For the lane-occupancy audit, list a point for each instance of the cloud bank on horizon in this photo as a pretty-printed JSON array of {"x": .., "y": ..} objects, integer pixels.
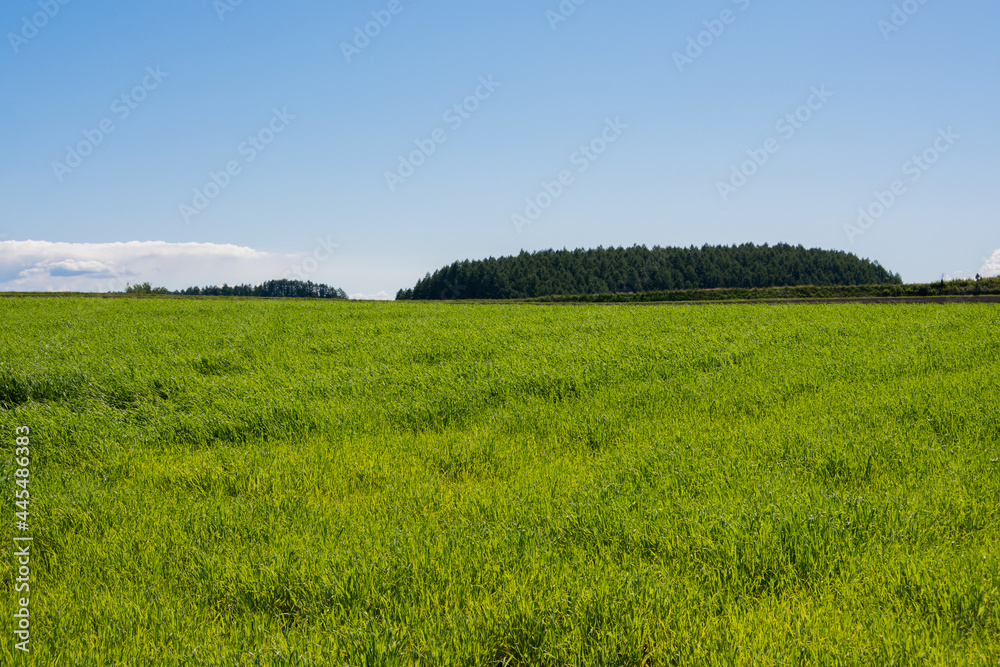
[
  {"x": 380, "y": 296},
  {"x": 27, "y": 266}
]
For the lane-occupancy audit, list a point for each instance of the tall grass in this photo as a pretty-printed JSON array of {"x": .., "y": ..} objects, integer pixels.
[{"x": 289, "y": 483}]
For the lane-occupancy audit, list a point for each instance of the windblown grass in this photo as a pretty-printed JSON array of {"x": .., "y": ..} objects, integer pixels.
[{"x": 293, "y": 483}]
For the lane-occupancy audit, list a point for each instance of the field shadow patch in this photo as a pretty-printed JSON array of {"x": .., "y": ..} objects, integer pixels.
[
  {"x": 461, "y": 460},
  {"x": 216, "y": 365},
  {"x": 17, "y": 389},
  {"x": 434, "y": 416}
]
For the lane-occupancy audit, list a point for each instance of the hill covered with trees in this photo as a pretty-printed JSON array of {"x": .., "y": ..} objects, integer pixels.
[{"x": 642, "y": 269}]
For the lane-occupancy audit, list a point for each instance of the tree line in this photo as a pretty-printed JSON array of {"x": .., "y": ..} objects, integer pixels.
[
  {"x": 960, "y": 287},
  {"x": 641, "y": 269},
  {"x": 288, "y": 289}
]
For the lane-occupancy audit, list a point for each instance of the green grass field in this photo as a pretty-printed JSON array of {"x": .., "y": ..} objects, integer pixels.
[{"x": 331, "y": 483}]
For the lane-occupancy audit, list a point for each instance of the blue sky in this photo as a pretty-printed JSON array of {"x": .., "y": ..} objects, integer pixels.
[{"x": 247, "y": 142}]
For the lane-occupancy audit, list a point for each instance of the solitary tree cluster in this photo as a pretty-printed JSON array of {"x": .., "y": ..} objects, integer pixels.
[
  {"x": 145, "y": 288},
  {"x": 295, "y": 289}
]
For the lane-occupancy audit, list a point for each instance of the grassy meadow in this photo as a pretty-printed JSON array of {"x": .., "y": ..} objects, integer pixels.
[{"x": 251, "y": 482}]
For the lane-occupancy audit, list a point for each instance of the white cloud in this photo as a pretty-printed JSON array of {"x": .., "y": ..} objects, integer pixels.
[
  {"x": 381, "y": 296},
  {"x": 72, "y": 267},
  {"x": 102, "y": 267},
  {"x": 992, "y": 266}
]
